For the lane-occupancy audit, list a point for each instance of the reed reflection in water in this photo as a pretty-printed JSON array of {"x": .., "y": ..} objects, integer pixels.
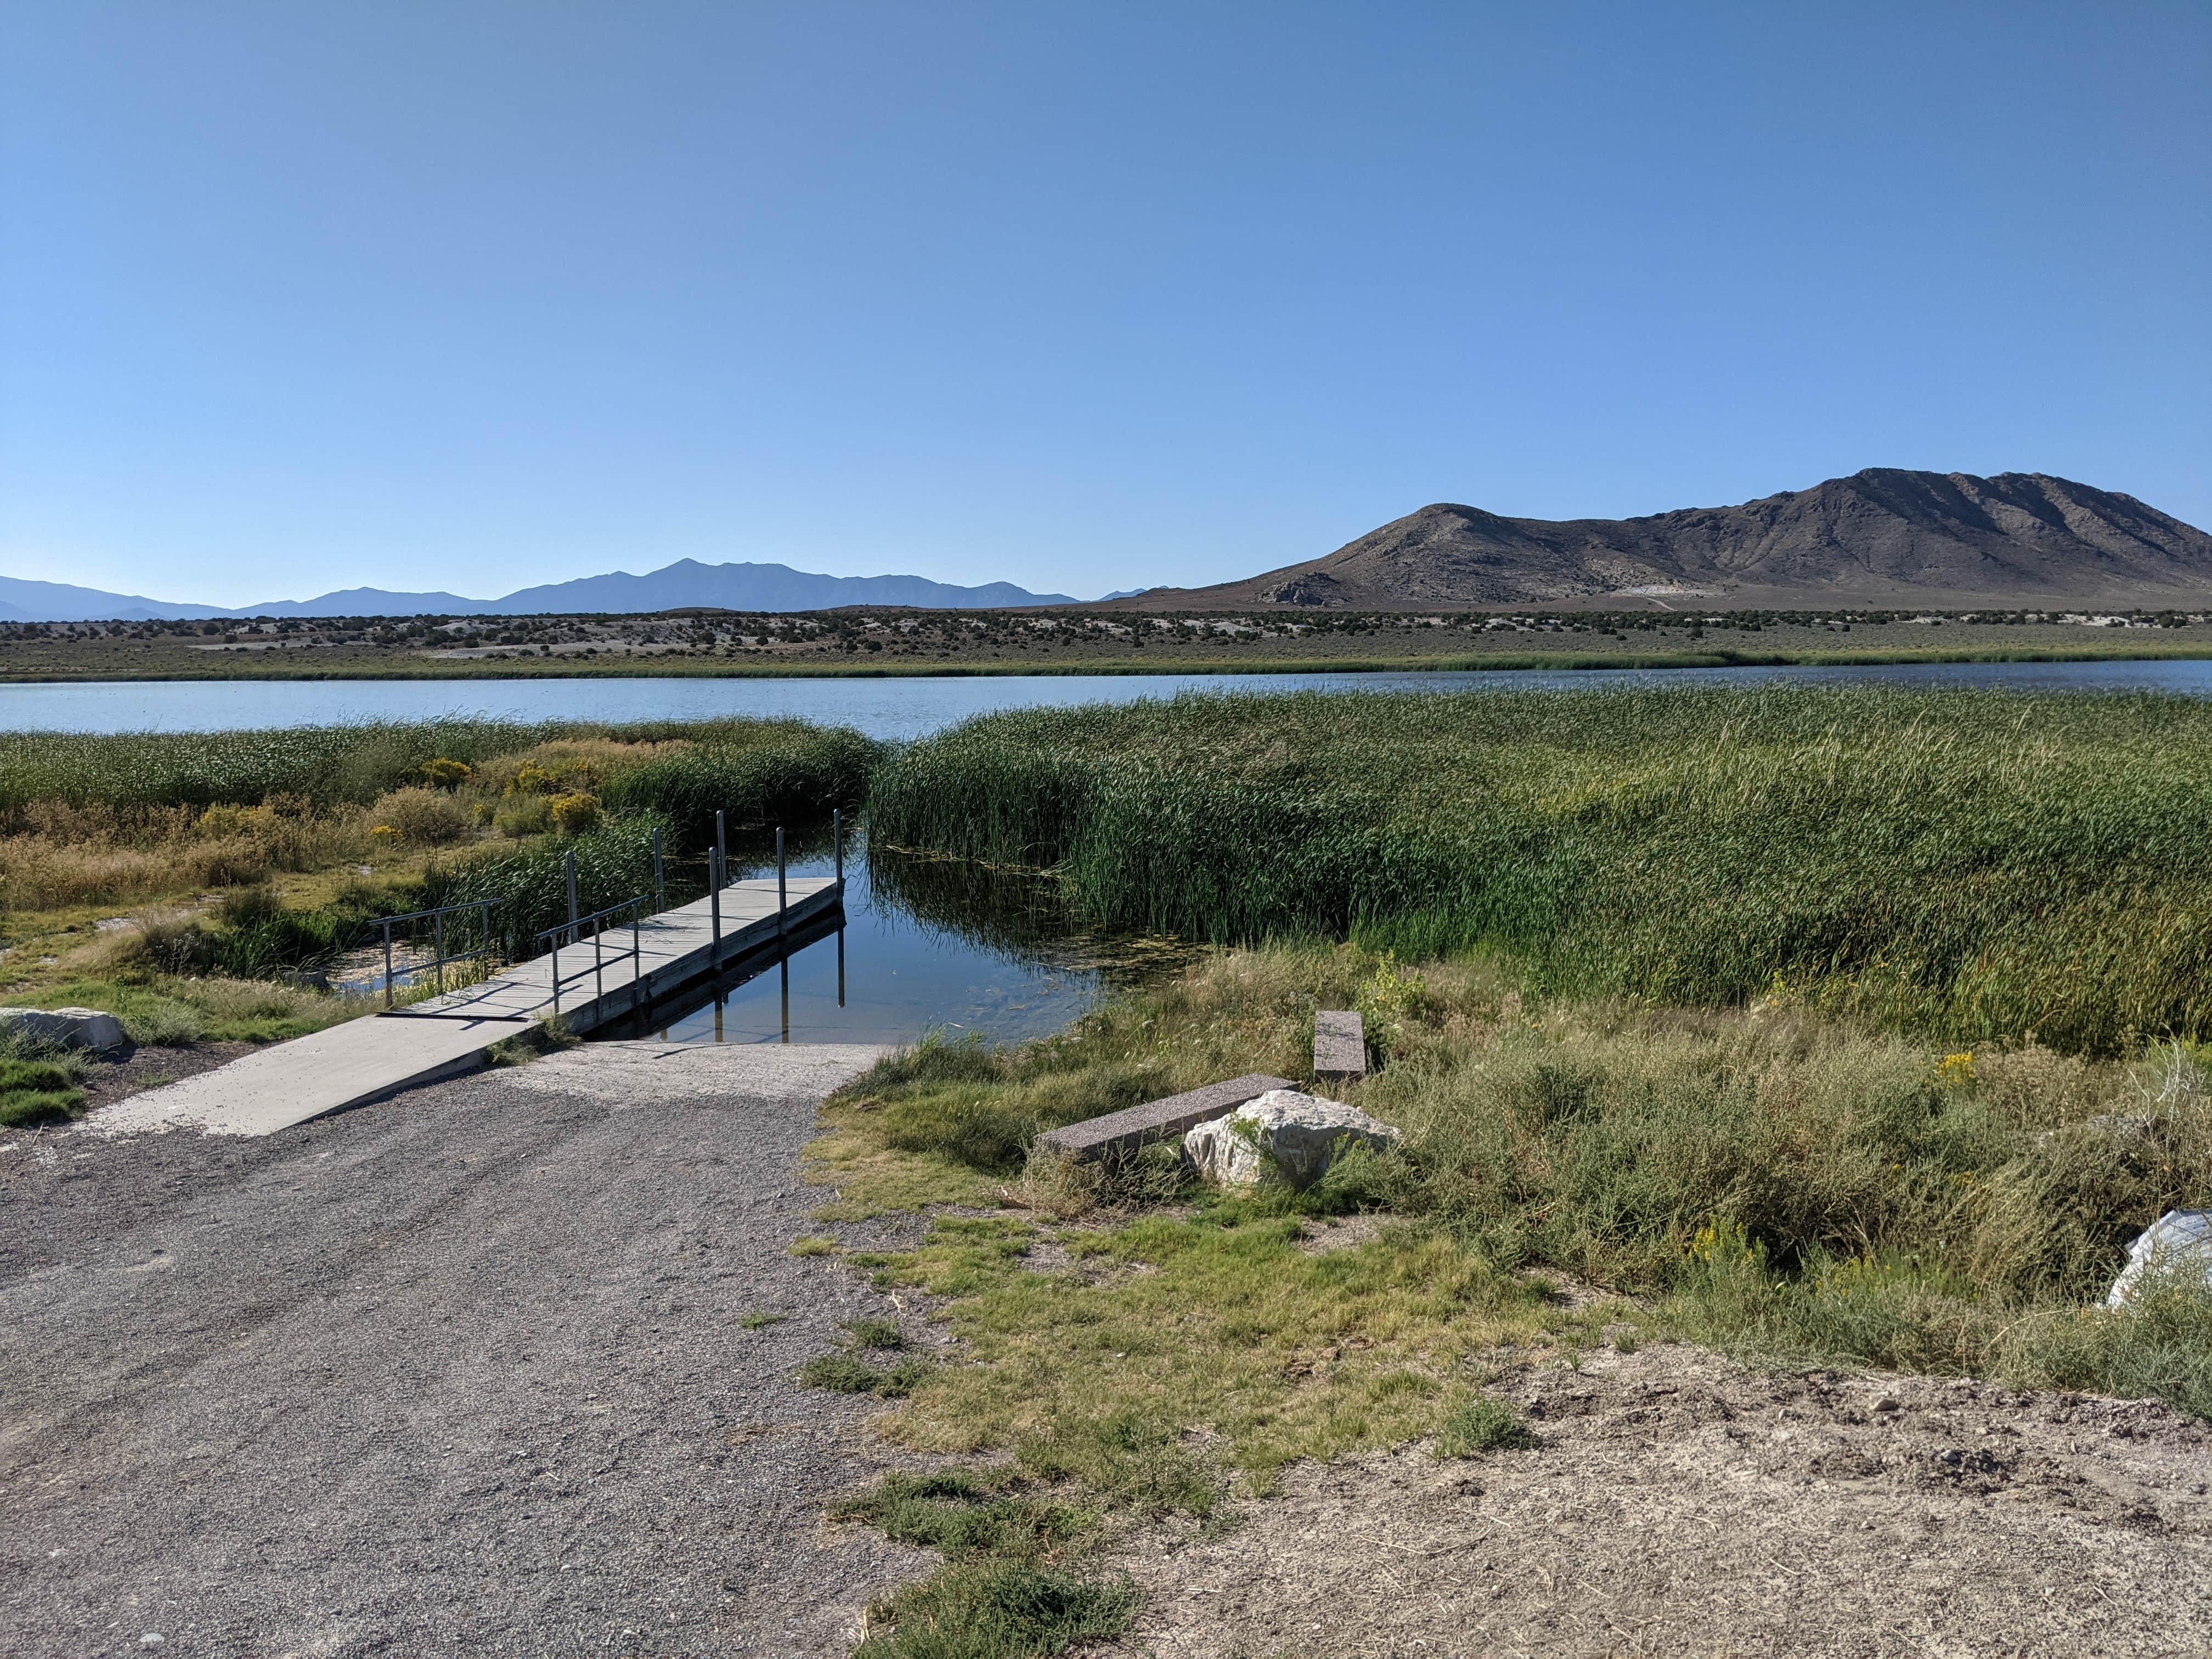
[{"x": 928, "y": 944}]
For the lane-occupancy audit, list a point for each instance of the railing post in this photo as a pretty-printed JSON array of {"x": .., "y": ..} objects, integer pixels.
[
  {"x": 837, "y": 836},
  {"x": 598, "y": 971},
  {"x": 718, "y": 875},
  {"x": 637, "y": 956},
  {"x": 780, "y": 901},
  {"x": 714, "y": 900},
  {"x": 556, "y": 973},
  {"x": 659, "y": 889},
  {"x": 572, "y": 890},
  {"x": 387, "y": 964},
  {"x": 438, "y": 967}
]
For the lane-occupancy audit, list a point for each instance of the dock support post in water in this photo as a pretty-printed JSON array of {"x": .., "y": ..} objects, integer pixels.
[
  {"x": 781, "y": 903},
  {"x": 715, "y": 872},
  {"x": 659, "y": 887}
]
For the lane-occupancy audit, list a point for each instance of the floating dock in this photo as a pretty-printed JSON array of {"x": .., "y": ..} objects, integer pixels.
[{"x": 368, "y": 1059}]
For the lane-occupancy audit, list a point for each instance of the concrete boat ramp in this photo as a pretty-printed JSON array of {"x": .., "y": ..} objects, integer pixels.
[{"x": 368, "y": 1059}]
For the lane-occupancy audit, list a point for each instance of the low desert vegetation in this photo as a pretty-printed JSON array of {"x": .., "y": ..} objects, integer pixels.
[{"x": 1786, "y": 1184}]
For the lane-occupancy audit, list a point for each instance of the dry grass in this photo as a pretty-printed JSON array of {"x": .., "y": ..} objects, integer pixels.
[
  {"x": 1767, "y": 1181},
  {"x": 423, "y": 817},
  {"x": 67, "y": 854},
  {"x": 570, "y": 765}
]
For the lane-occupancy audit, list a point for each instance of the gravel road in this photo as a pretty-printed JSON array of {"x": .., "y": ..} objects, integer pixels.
[{"x": 460, "y": 1374}]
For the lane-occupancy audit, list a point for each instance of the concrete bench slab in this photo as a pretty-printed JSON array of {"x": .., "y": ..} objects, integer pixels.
[
  {"x": 1119, "y": 1133},
  {"x": 1339, "y": 1048}
]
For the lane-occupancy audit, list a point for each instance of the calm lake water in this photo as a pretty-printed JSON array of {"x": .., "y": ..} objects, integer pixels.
[
  {"x": 908, "y": 961},
  {"x": 920, "y": 950},
  {"x": 903, "y": 708}
]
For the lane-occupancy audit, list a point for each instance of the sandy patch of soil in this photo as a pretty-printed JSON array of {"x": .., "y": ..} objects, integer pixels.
[{"x": 1682, "y": 1505}]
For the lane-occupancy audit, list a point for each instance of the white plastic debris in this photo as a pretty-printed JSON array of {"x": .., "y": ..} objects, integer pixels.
[{"x": 2178, "y": 1244}]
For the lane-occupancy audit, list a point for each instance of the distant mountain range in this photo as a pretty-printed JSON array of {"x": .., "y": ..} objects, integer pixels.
[
  {"x": 1884, "y": 536},
  {"x": 682, "y": 585}
]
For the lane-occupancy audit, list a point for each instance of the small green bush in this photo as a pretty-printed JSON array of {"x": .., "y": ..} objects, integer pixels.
[
  {"x": 519, "y": 816},
  {"x": 574, "y": 814},
  {"x": 1005, "y": 1590},
  {"x": 999, "y": 1611},
  {"x": 423, "y": 817},
  {"x": 964, "y": 1512},
  {"x": 1484, "y": 1424}
]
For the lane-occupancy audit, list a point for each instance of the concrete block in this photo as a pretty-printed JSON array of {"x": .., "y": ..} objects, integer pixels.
[
  {"x": 1339, "y": 1048},
  {"x": 1119, "y": 1133},
  {"x": 66, "y": 1028}
]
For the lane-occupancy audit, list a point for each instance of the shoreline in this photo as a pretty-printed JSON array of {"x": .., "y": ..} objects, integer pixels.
[{"x": 1528, "y": 662}]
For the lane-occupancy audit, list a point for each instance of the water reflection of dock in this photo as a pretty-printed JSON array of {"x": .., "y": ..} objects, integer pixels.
[
  {"x": 601, "y": 979},
  {"x": 660, "y": 1014}
]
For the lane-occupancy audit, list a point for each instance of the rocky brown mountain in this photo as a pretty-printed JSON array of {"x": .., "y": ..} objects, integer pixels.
[{"x": 1885, "y": 536}]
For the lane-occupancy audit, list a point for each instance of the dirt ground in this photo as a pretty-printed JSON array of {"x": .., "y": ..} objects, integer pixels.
[
  {"x": 465, "y": 1373},
  {"x": 1681, "y": 1505}
]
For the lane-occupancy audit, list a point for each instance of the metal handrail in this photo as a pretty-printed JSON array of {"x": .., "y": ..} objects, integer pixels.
[
  {"x": 437, "y": 918},
  {"x": 571, "y": 930},
  {"x": 635, "y": 909}
]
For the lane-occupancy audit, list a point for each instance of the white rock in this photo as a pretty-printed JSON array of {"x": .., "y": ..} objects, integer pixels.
[
  {"x": 2177, "y": 1245},
  {"x": 66, "y": 1028},
  {"x": 1283, "y": 1138}
]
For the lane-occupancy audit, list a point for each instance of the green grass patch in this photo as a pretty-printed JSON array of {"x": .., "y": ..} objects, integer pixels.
[
  {"x": 1484, "y": 1424},
  {"x": 170, "y": 1011},
  {"x": 1224, "y": 1324},
  {"x": 1013, "y": 1583},
  {"x": 35, "y": 1091},
  {"x": 998, "y": 1610},
  {"x": 845, "y": 1373},
  {"x": 760, "y": 1320}
]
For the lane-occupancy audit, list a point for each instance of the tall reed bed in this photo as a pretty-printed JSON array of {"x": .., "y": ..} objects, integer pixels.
[
  {"x": 326, "y": 765},
  {"x": 762, "y": 773},
  {"x": 1981, "y": 863},
  {"x": 355, "y": 764}
]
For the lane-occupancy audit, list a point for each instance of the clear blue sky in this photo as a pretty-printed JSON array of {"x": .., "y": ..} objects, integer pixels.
[{"x": 465, "y": 296}]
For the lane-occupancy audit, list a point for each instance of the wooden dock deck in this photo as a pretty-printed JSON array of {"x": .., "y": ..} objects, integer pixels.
[{"x": 380, "y": 1054}]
